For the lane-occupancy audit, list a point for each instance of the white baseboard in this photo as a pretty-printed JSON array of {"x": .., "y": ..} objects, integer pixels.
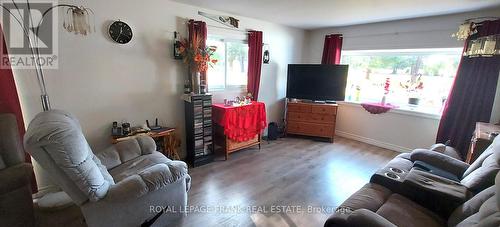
[{"x": 374, "y": 142}]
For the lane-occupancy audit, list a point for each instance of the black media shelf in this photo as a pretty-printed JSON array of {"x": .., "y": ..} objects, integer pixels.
[{"x": 199, "y": 139}]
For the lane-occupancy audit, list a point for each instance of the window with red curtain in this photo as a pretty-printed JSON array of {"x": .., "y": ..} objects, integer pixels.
[
  {"x": 332, "y": 49},
  {"x": 9, "y": 99}
]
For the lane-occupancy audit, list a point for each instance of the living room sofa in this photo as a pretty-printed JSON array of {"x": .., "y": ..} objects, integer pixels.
[
  {"x": 374, "y": 206},
  {"x": 427, "y": 188}
]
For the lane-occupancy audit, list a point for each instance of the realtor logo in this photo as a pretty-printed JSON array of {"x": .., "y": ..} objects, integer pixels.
[{"x": 29, "y": 20}]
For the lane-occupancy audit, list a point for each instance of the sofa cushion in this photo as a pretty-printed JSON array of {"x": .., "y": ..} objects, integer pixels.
[
  {"x": 371, "y": 197},
  {"x": 146, "y": 143},
  {"x": 488, "y": 215},
  {"x": 471, "y": 206},
  {"x": 404, "y": 212},
  {"x": 109, "y": 157},
  {"x": 364, "y": 217},
  {"x": 137, "y": 165},
  {"x": 484, "y": 170},
  {"x": 127, "y": 150},
  {"x": 494, "y": 148},
  {"x": 155, "y": 170}
]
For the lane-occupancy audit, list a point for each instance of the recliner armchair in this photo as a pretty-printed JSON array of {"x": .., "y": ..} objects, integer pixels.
[
  {"x": 16, "y": 204},
  {"x": 117, "y": 187}
]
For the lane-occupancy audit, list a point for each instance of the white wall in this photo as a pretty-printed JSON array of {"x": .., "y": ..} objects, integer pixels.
[
  {"x": 394, "y": 130},
  {"x": 100, "y": 81}
]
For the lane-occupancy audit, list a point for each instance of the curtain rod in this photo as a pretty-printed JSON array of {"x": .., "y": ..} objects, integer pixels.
[
  {"x": 232, "y": 29},
  {"x": 397, "y": 33},
  {"x": 480, "y": 18}
]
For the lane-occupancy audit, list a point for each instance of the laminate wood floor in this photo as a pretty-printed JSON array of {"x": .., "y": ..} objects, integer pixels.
[{"x": 289, "y": 182}]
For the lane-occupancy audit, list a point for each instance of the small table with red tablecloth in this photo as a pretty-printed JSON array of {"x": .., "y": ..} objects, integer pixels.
[{"x": 238, "y": 127}]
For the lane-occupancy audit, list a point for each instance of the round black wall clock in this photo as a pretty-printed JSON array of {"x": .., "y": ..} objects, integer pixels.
[{"x": 120, "y": 32}]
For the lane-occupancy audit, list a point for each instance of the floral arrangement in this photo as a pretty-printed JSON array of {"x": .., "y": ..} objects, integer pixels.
[
  {"x": 387, "y": 85},
  {"x": 415, "y": 84},
  {"x": 198, "y": 58}
]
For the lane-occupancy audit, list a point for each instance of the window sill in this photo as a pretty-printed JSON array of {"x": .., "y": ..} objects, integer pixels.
[
  {"x": 404, "y": 110},
  {"x": 228, "y": 89}
]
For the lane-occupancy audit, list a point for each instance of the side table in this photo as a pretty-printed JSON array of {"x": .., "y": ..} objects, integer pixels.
[{"x": 480, "y": 140}]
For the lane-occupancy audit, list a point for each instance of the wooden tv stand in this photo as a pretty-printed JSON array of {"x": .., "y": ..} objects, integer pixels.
[{"x": 311, "y": 119}]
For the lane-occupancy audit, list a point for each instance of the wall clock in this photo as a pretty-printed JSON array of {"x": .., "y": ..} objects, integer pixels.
[{"x": 120, "y": 32}]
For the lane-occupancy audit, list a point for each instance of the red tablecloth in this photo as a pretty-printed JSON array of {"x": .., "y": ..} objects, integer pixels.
[
  {"x": 377, "y": 108},
  {"x": 240, "y": 123}
]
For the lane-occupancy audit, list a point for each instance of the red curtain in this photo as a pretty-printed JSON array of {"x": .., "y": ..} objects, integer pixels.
[
  {"x": 471, "y": 98},
  {"x": 254, "y": 62},
  {"x": 9, "y": 100},
  {"x": 198, "y": 29},
  {"x": 332, "y": 49}
]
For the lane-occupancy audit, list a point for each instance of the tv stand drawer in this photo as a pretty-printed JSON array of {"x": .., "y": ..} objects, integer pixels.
[
  {"x": 311, "y": 129},
  {"x": 311, "y": 117},
  {"x": 324, "y": 109},
  {"x": 299, "y": 107}
]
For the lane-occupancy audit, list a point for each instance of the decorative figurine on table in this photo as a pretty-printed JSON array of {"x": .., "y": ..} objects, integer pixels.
[
  {"x": 249, "y": 98},
  {"x": 237, "y": 101}
]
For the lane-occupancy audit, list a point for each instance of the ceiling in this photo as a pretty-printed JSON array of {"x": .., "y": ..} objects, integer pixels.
[{"x": 311, "y": 14}]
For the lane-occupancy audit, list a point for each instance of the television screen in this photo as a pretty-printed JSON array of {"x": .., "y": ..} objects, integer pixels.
[{"x": 317, "y": 82}]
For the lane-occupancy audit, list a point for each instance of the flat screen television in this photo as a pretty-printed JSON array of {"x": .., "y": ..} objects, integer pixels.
[{"x": 317, "y": 82}]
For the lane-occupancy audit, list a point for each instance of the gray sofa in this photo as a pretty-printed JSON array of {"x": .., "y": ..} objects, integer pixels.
[
  {"x": 16, "y": 204},
  {"x": 375, "y": 206},
  {"x": 115, "y": 187},
  {"x": 476, "y": 177},
  {"x": 402, "y": 194}
]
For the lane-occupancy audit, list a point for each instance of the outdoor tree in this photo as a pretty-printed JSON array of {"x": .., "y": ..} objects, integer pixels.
[
  {"x": 236, "y": 51},
  {"x": 392, "y": 62}
]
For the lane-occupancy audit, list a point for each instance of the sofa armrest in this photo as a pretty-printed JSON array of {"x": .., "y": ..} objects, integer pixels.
[
  {"x": 14, "y": 177},
  {"x": 440, "y": 160}
]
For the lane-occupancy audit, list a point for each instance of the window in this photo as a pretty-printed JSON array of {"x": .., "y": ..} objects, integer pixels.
[
  {"x": 420, "y": 79},
  {"x": 232, "y": 64}
]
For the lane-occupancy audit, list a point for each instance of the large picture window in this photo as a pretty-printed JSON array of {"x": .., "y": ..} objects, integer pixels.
[
  {"x": 230, "y": 72},
  {"x": 419, "y": 79}
]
